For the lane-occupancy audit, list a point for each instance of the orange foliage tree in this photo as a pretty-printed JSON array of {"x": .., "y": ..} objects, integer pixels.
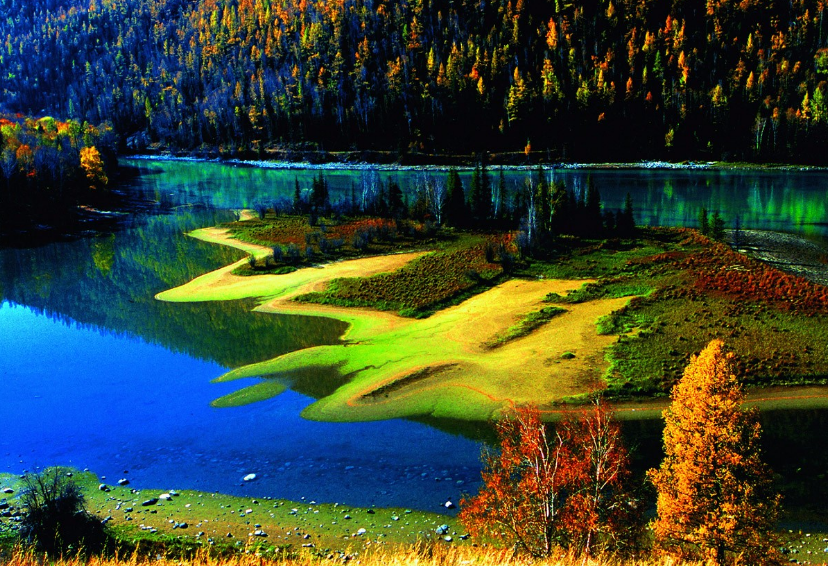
[
  {"x": 564, "y": 488},
  {"x": 92, "y": 165},
  {"x": 715, "y": 497}
]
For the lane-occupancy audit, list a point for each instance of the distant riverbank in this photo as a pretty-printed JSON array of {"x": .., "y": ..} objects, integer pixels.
[{"x": 382, "y": 161}]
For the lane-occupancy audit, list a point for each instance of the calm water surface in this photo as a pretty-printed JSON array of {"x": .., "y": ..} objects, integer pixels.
[{"x": 96, "y": 373}]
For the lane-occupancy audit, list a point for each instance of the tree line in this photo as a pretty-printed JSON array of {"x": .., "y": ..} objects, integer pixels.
[
  {"x": 593, "y": 79},
  {"x": 48, "y": 167},
  {"x": 569, "y": 486}
]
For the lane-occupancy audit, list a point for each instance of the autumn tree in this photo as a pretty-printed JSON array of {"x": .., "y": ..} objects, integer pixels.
[
  {"x": 92, "y": 165},
  {"x": 549, "y": 488},
  {"x": 715, "y": 498}
]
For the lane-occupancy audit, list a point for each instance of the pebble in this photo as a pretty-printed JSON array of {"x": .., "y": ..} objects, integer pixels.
[
  {"x": 165, "y": 497},
  {"x": 103, "y": 487},
  {"x": 442, "y": 530},
  {"x": 448, "y": 505},
  {"x": 8, "y": 490},
  {"x": 448, "y": 538},
  {"x": 123, "y": 481},
  {"x": 249, "y": 477},
  {"x": 362, "y": 531},
  {"x": 149, "y": 502}
]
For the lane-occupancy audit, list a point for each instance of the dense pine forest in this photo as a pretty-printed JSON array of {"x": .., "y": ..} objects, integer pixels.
[{"x": 584, "y": 80}]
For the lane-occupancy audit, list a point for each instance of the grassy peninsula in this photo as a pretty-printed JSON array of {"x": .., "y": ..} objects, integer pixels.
[{"x": 457, "y": 323}]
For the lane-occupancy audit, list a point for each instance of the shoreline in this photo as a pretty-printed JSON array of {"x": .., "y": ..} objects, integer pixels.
[
  {"x": 791, "y": 253},
  {"x": 330, "y": 162}
]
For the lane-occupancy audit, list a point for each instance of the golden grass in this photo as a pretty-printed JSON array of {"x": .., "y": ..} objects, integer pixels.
[
  {"x": 439, "y": 366},
  {"x": 429, "y": 554}
]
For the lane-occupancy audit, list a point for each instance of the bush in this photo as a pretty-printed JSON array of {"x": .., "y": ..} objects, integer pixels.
[{"x": 56, "y": 520}]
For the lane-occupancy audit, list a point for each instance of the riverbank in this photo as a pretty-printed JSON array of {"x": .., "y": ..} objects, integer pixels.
[
  {"x": 787, "y": 252},
  {"x": 378, "y": 161},
  {"x": 179, "y": 528},
  {"x": 180, "y": 519}
]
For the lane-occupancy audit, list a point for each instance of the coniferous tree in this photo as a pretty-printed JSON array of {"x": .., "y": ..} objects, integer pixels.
[
  {"x": 593, "y": 222},
  {"x": 704, "y": 223},
  {"x": 717, "y": 227},
  {"x": 715, "y": 495},
  {"x": 456, "y": 213}
]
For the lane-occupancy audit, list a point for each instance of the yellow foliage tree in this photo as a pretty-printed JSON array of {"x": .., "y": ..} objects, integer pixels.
[
  {"x": 715, "y": 497},
  {"x": 92, "y": 165}
]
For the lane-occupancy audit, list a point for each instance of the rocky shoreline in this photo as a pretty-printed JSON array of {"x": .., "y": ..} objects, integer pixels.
[{"x": 787, "y": 252}]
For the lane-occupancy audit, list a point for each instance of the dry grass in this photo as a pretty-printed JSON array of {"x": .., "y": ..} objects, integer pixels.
[{"x": 433, "y": 554}]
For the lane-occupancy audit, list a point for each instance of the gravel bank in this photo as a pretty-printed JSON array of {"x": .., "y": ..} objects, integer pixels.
[{"x": 787, "y": 252}]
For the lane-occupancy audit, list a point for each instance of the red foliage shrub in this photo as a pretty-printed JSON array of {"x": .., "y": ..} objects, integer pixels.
[{"x": 719, "y": 269}]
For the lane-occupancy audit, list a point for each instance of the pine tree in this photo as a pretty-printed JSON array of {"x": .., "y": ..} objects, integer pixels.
[
  {"x": 704, "y": 224},
  {"x": 297, "y": 196},
  {"x": 717, "y": 227},
  {"x": 480, "y": 195},
  {"x": 592, "y": 213},
  {"x": 714, "y": 493},
  {"x": 455, "y": 208}
]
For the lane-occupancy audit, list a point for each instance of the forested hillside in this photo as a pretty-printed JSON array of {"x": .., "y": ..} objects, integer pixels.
[{"x": 589, "y": 79}]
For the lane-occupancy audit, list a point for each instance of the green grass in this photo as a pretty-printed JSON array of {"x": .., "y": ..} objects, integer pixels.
[
  {"x": 525, "y": 326},
  {"x": 285, "y": 522},
  {"x": 420, "y": 288}
]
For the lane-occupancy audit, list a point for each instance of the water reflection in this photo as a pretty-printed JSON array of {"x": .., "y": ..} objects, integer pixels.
[
  {"x": 108, "y": 283},
  {"x": 125, "y": 378},
  {"x": 790, "y": 201}
]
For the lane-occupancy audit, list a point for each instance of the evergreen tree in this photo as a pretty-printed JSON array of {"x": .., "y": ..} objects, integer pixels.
[
  {"x": 704, "y": 224},
  {"x": 593, "y": 222},
  {"x": 456, "y": 213},
  {"x": 714, "y": 493},
  {"x": 320, "y": 199},
  {"x": 717, "y": 227},
  {"x": 396, "y": 207},
  {"x": 625, "y": 223},
  {"x": 297, "y": 196}
]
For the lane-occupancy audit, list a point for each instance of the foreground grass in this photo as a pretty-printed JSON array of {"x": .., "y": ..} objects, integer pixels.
[
  {"x": 184, "y": 522},
  {"x": 420, "y": 555}
]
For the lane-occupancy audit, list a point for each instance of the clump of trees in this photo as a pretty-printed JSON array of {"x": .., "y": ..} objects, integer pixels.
[
  {"x": 48, "y": 167},
  {"x": 566, "y": 487},
  {"x": 569, "y": 486}
]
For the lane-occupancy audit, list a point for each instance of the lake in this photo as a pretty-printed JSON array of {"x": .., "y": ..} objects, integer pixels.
[{"x": 98, "y": 374}]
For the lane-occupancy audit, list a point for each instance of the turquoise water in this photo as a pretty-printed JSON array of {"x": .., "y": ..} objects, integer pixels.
[
  {"x": 96, "y": 373},
  {"x": 790, "y": 201}
]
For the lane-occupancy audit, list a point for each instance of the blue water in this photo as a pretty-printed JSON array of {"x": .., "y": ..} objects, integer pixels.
[
  {"x": 113, "y": 404},
  {"x": 96, "y": 374}
]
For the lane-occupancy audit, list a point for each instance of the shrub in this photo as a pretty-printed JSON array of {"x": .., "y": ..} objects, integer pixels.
[
  {"x": 56, "y": 520},
  {"x": 292, "y": 252},
  {"x": 278, "y": 254},
  {"x": 261, "y": 209}
]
